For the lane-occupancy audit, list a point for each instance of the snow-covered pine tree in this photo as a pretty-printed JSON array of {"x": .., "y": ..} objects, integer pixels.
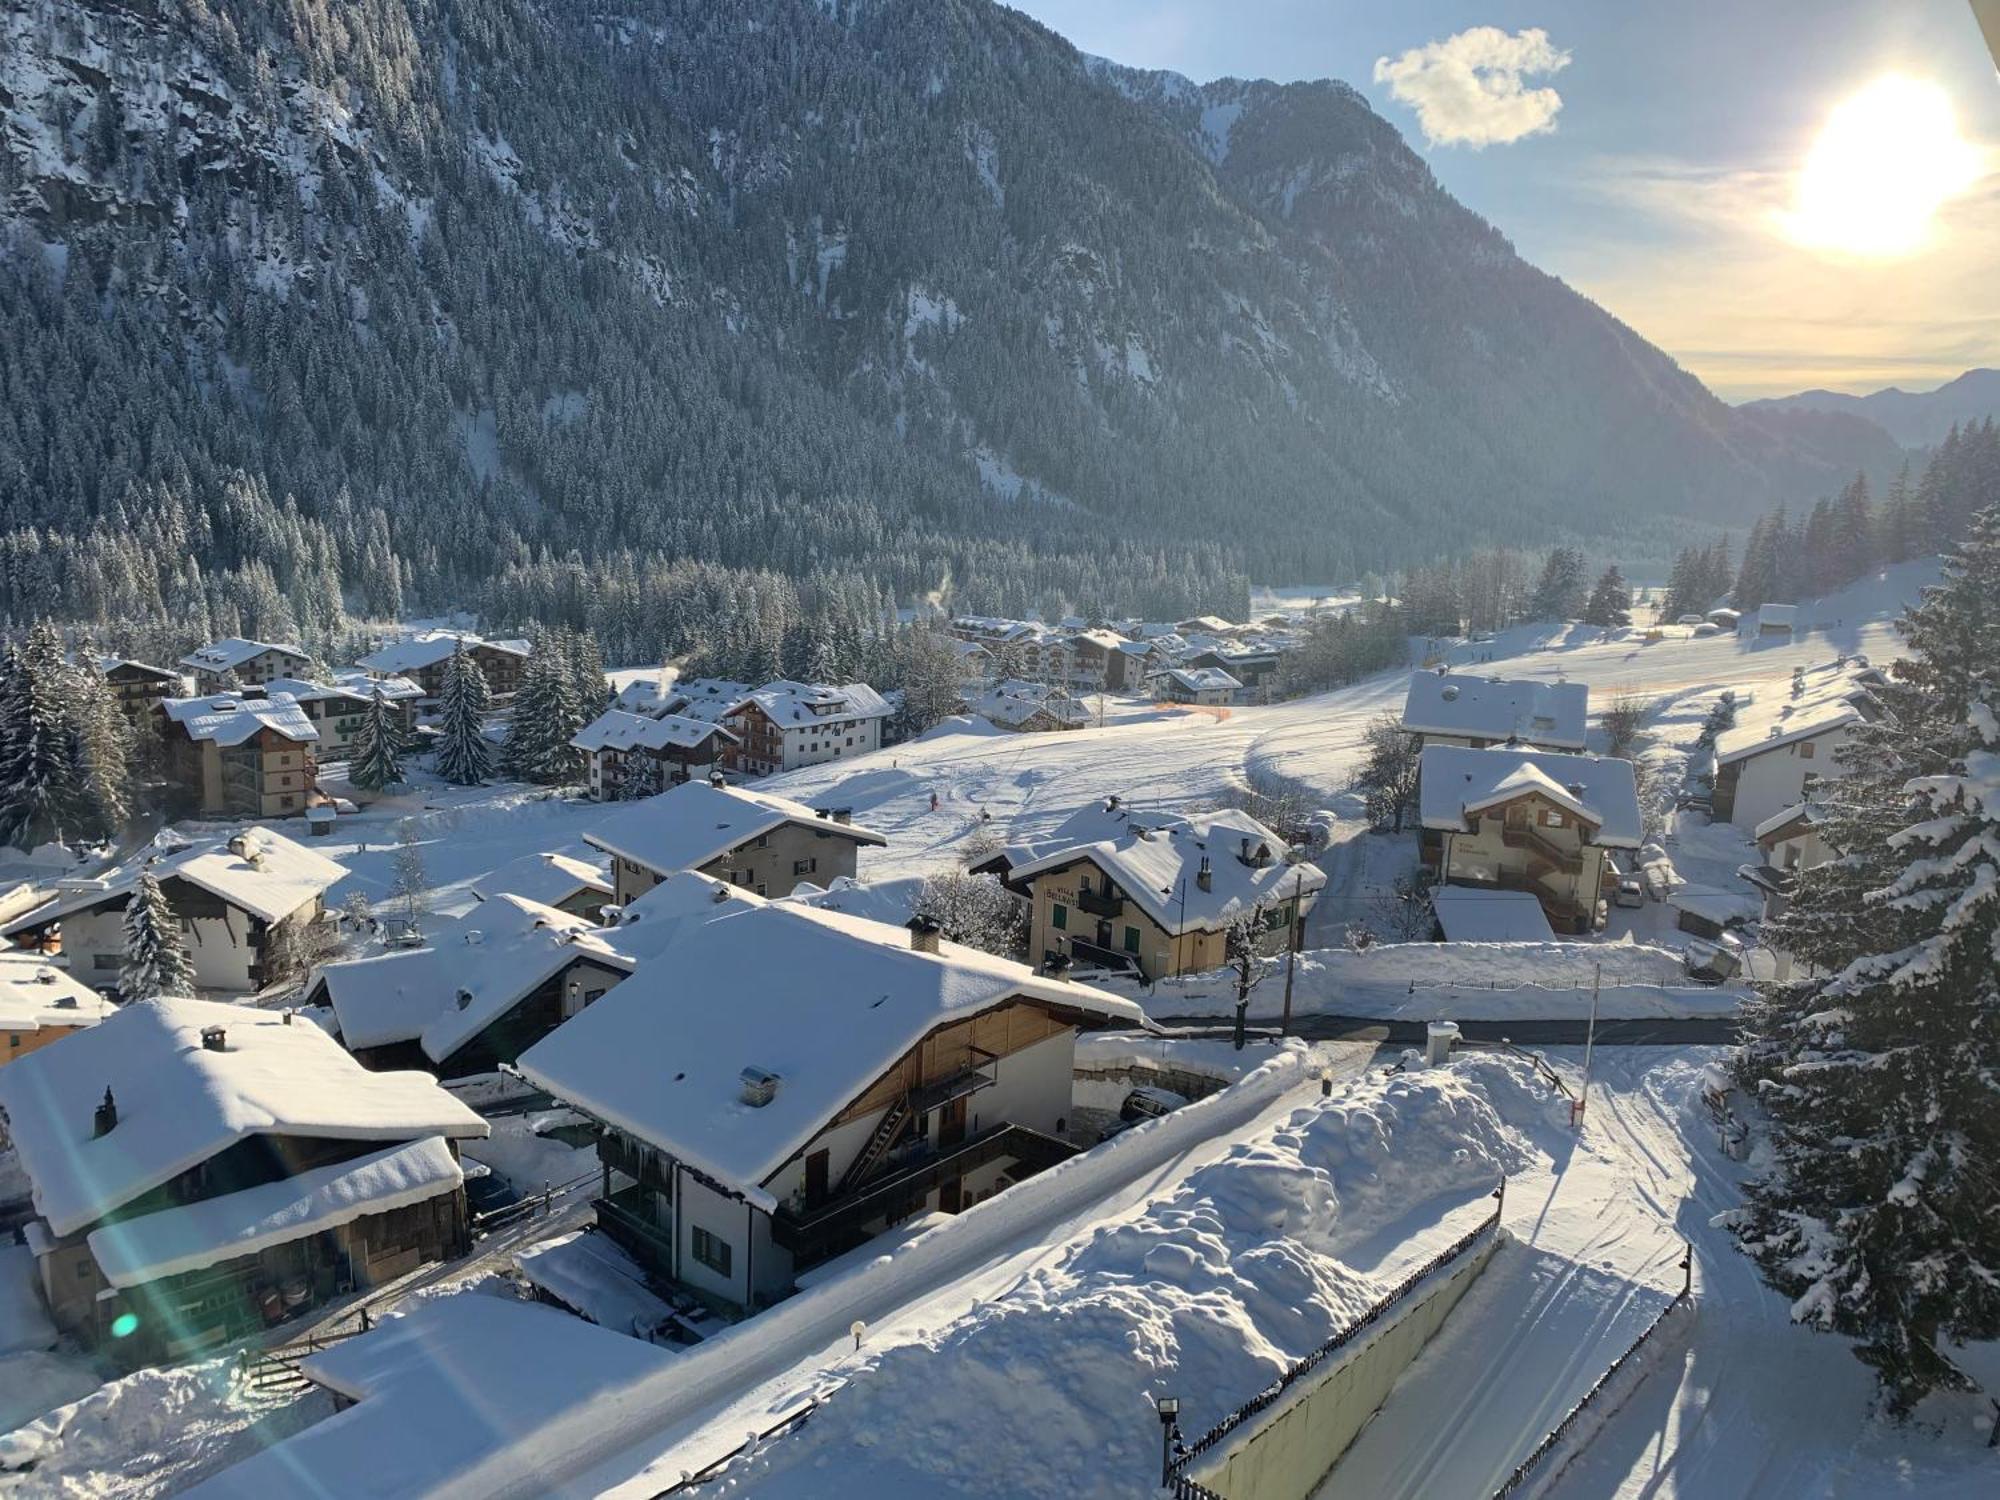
[
  {"x": 101, "y": 752},
  {"x": 1559, "y": 592},
  {"x": 645, "y": 776},
  {"x": 41, "y": 796},
  {"x": 464, "y": 754},
  {"x": 1880, "y": 1217},
  {"x": 378, "y": 747},
  {"x": 156, "y": 960},
  {"x": 586, "y": 666},
  {"x": 1610, "y": 603},
  {"x": 545, "y": 719}
]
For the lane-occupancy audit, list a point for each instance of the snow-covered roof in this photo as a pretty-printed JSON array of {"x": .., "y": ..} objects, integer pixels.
[
  {"x": 105, "y": 665},
  {"x": 230, "y": 719},
  {"x": 1493, "y": 708},
  {"x": 1777, "y": 614},
  {"x": 688, "y": 825},
  {"x": 227, "y": 655},
  {"x": 1456, "y": 782},
  {"x": 548, "y": 878},
  {"x": 1157, "y": 863},
  {"x": 997, "y": 628},
  {"x": 615, "y": 729},
  {"x": 1797, "y": 721},
  {"x": 503, "y": 953},
  {"x": 1200, "y": 679},
  {"x": 35, "y": 993},
  {"x": 647, "y": 925},
  {"x": 706, "y": 698},
  {"x": 1481, "y": 916},
  {"x": 791, "y": 704},
  {"x": 1805, "y": 814},
  {"x": 190, "y": 1236},
  {"x": 1014, "y": 702},
  {"x": 257, "y": 871},
  {"x": 963, "y": 649},
  {"x": 347, "y": 682},
  {"x": 179, "y": 1102},
  {"x": 649, "y": 694},
  {"x": 428, "y": 648},
  {"x": 1209, "y": 624},
  {"x": 438, "y": 1392},
  {"x": 385, "y": 997},
  {"x": 825, "y": 1000}
]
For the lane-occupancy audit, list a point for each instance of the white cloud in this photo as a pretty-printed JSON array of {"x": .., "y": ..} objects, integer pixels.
[{"x": 1469, "y": 89}]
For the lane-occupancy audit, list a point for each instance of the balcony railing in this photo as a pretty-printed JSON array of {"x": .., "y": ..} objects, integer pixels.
[
  {"x": 805, "y": 1232},
  {"x": 648, "y": 1242},
  {"x": 1568, "y": 860},
  {"x": 1104, "y": 903}
]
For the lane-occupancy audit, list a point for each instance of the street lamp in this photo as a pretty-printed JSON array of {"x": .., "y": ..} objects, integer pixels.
[{"x": 1170, "y": 1436}]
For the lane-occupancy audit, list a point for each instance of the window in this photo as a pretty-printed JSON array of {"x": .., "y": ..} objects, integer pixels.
[
  {"x": 1131, "y": 940},
  {"x": 107, "y": 960},
  {"x": 1805, "y": 750},
  {"x": 804, "y": 866},
  {"x": 711, "y": 1250},
  {"x": 1553, "y": 818},
  {"x": 1060, "y": 917}
]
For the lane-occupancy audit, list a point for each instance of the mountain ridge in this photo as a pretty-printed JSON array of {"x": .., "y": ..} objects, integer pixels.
[
  {"x": 914, "y": 292},
  {"x": 1915, "y": 419}
]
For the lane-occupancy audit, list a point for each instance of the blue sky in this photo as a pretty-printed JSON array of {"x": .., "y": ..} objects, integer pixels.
[{"x": 1659, "y": 181}]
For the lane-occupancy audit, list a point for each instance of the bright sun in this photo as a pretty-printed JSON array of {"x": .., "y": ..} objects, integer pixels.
[{"x": 1886, "y": 161}]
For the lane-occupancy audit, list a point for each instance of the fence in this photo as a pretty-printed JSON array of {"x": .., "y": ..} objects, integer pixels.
[
  {"x": 534, "y": 1205},
  {"x": 1526, "y": 1468},
  {"x": 1175, "y": 1477},
  {"x": 714, "y": 1469}
]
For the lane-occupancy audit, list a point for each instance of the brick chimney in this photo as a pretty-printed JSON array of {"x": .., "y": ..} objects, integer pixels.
[{"x": 924, "y": 932}]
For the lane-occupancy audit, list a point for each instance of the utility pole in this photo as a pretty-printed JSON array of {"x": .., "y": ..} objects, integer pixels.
[
  {"x": 1292, "y": 951},
  {"x": 1589, "y": 1045}
]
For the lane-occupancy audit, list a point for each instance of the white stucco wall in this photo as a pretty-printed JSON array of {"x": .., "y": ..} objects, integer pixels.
[{"x": 1774, "y": 780}]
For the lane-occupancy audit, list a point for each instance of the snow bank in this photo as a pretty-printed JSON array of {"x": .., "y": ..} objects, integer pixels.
[
  {"x": 1248, "y": 1264},
  {"x": 1456, "y": 981}
]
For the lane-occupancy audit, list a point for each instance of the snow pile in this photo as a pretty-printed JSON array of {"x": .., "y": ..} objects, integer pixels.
[
  {"x": 1455, "y": 981},
  {"x": 1208, "y": 1293}
]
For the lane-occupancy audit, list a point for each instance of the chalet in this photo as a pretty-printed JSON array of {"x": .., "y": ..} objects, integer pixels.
[
  {"x": 423, "y": 657},
  {"x": 636, "y": 754},
  {"x": 42, "y": 1002},
  {"x": 649, "y": 695},
  {"x": 235, "y": 663},
  {"x": 231, "y": 895},
  {"x": 975, "y": 662},
  {"x": 1099, "y": 663},
  {"x": 1206, "y": 625},
  {"x": 1790, "y": 840},
  {"x": 1160, "y": 894},
  {"x": 137, "y": 686},
  {"x": 1254, "y": 666},
  {"x": 1527, "y": 820},
  {"x": 1780, "y": 748},
  {"x": 785, "y": 1082},
  {"x": 228, "y": 756},
  {"x": 336, "y": 707},
  {"x": 569, "y": 885},
  {"x": 1028, "y": 707},
  {"x": 1019, "y": 647},
  {"x": 1210, "y": 687},
  {"x": 1449, "y": 709},
  {"x": 485, "y": 988},
  {"x": 784, "y": 725},
  {"x": 200, "y": 1171},
  {"x": 751, "y": 839}
]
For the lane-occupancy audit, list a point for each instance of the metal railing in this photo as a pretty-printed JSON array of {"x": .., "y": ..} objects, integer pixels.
[
  {"x": 1526, "y": 1468},
  {"x": 714, "y": 1469},
  {"x": 1176, "y": 1478}
]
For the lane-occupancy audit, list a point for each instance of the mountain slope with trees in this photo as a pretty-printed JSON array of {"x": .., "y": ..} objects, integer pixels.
[{"x": 645, "y": 314}]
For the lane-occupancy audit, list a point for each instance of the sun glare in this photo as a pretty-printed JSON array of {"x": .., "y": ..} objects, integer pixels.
[{"x": 1886, "y": 161}]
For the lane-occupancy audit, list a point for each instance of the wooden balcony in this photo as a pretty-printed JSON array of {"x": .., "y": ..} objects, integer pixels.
[
  {"x": 1101, "y": 903},
  {"x": 1569, "y": 861}
]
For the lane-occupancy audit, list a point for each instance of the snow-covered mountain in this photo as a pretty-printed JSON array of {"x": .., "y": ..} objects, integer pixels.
[
  {"x": 1916, "y": 419},
  {"x": 904, "y": 287}
]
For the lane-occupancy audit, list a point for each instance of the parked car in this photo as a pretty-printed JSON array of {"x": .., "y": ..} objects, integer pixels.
[
  {"x": 1630, "y": 892},
  {"x": 1691, "y": 620},
  {"x": 1146, "y": 1103}
]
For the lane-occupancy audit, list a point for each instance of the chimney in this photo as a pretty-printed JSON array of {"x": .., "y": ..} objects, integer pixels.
[
  {"x": 474, "y": 937},
  {"x": 924, "y": 934},
  {"x": 715, "y": 779},
  {"x": 1111, "y": 803},
  {"x": 106, "y": 1118},
  {"x": 1243, "y": 851},
  {"x": 464, "y": 998},
  {"x": 1203, "y": 877},
  {"x": 1575, "y": 789},
  {"x": 843, "y": 815},
  {"x": 214, "y": 1039},
  {"x": 1058, "y": 966},
  {"x": 285, "y": 1016}
]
